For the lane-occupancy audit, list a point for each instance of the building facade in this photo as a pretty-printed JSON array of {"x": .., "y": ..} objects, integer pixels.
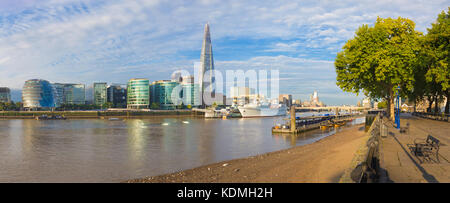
[
  {"x": 314, "y": 101},
  {"x": 75, "y": 94},
  {"x": 117, "y": 95},
  {"x": 138, "y": 94},
  {"x": 5, "y": 95},
  {"x": 190, "y": 92},
  {"x": 100, "y": 93},
  {"x": 161, "y": 93},
  {"x": 285, "y": 99},
  {"x": 58, "y": 90},
  {"x": 38, "y": 94}
]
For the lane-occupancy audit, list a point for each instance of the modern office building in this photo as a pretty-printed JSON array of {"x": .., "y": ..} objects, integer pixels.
[
  {"x": 100, "y": 93},
  {"x": 161, "y": 93},
  {"x": 37, "y": 94},
  {"x": 190, "y": 92},
  {"x": 138, "y": 94},
  {"x": 285, "y": 99},
  {"x": 5, "y": 94},
  {"x": 117, "y": 95},
  {"x": 207, "y": 64},
  {"x": 58, "y": 93},
  {"x": 74, "y": 94}
]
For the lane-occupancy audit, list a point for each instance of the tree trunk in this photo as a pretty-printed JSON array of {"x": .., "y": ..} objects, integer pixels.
[
  {"x": 430, "y": 103},
  {"x": 436, "y": 104},
  {"x": 415, "y": 103},
  {"x": 448, "y": 102},
  {"x": 391, "y": 109}
]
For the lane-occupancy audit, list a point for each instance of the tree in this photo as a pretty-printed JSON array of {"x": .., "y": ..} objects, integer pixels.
[
  {"x": 181, "y": 106},
  {"x": 108, "y": 105},
  {"x": 155, "y": 105},
  {"x": 382, "y": 105},
  {"x": 378, "y": 59},
  {"x": 436, "y": 51}
]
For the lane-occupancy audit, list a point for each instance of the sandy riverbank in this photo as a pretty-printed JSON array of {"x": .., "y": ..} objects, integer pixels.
[{"x": 323, "y": 161}]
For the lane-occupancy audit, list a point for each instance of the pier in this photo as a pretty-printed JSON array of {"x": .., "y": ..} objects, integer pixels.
[{"x": 302, "y": 124}]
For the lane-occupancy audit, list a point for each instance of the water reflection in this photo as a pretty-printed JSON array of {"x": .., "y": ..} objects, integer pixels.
[{"x": 110, "y": 151}]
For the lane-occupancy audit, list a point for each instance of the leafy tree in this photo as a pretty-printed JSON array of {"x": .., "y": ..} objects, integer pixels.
[
  {"x": 378, "y": 59},
  {"x": 181, "y": 106},
  {"x": 155, "y": 105},
  {"x": 382, "y": 105},
  {"x": 436, "y": 48},
  {"x": 108, "y": 105}
]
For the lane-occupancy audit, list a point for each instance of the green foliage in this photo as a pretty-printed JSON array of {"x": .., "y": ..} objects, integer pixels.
[
  {"x": 108, "y": 105},
  {"x": 379, "y": 58},
  {"x": 10, "y": 106},
  {"x": 382, "y": 105},
  {"x": 69, "y": 107},
  {"x": 155, "y": 106},
  {"x": 181, "y": 106},
  {"x": 432, "y": 71},
  {"x": 436, "y": 43}
]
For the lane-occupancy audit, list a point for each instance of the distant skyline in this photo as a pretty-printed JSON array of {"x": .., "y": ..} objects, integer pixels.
[{"x": 78, "y": 41}]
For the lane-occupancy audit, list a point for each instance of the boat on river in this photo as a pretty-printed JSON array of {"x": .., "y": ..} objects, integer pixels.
[{"x": 52, "y": 117}]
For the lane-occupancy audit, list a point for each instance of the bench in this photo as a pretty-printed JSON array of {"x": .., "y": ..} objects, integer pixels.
[{"x": 427, "y": 147}]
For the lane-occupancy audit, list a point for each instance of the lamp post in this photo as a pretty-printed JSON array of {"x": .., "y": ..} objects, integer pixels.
[{"x": 397, "y": 113}]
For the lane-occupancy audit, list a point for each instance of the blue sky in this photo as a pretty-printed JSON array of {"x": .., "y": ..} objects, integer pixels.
[{"x": 115, "y": 40}]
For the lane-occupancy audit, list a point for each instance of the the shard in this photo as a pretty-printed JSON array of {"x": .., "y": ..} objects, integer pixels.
[{"x": 206, "y": 77}]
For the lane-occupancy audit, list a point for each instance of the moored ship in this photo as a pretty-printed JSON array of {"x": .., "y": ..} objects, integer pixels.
[{"x": 262, "y": 110}]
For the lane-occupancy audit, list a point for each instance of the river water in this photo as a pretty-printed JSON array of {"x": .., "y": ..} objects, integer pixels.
[{"x": 94, "y": 150}]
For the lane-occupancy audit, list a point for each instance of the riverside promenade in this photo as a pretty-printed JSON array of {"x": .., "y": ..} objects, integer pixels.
[{"x": 400, "y": 163}]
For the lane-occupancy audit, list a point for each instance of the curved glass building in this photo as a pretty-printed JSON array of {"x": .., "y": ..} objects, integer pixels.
[
  {"x": 38, "y": 93},
  {"x": 138, "y": 96}
]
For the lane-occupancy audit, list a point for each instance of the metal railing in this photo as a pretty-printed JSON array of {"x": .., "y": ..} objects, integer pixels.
[{"x": 434, "y": 116}]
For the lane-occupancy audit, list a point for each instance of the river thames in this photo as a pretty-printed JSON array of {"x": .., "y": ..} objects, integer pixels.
[{"x": 94, "y": 150}]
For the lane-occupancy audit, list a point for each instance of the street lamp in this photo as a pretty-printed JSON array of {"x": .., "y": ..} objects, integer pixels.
[{"x": 397, "y": 113}]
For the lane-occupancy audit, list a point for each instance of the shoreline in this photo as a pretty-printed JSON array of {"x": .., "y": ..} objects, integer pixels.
[
  {"x": 323, "y": 161},
  {"x": 95, "y": 114}
]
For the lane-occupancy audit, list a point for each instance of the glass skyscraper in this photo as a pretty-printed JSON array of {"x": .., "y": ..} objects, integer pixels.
[
  {"x": 138, "y": 95},
  {"x": 37, "y": 94},
  {"x": 207, "y": 65},
  {"x": 5, "y": 94},
  {"x": 100, "y": 93}
]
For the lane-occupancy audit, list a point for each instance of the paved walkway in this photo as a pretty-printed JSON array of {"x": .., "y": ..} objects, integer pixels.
[{"x": 400, "y": 163}]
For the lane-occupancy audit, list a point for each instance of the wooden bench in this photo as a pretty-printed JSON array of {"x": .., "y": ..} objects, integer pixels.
[{"x": 427, "y": 147}]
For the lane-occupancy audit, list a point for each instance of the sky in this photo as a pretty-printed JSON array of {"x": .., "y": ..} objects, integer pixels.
[{"x": 81, "y": 41}]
